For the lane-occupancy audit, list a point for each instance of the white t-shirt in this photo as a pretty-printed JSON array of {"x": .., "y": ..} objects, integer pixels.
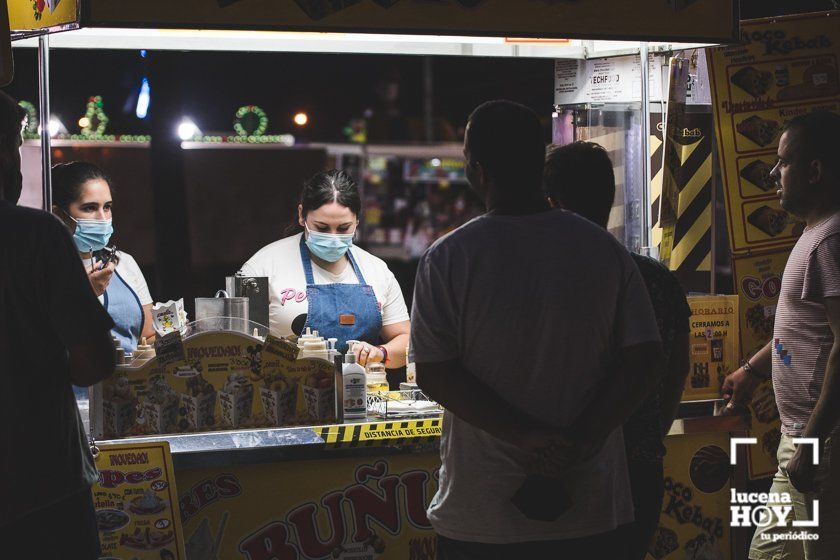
[
  {"x": 129, "y": 270},
  {"x": 281, "y": 263},
  {"x": 534, "y": 306}
]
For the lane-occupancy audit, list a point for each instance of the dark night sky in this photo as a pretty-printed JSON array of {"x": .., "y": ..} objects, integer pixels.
[{"x": 332, "y": 88}]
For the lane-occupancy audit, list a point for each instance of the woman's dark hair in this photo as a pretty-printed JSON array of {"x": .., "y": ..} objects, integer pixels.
[
  {"x": 323, "y": 188},
  {"x": 68, "y": 179},
  {"x": 581, "y": 178}
]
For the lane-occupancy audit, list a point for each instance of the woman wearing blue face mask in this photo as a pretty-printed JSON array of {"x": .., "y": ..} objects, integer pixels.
[
  {"x": 82, "y": 200},
  {"x": 319, "y": 279}
]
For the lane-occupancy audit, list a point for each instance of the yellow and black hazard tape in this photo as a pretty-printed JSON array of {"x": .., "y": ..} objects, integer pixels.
[{"x": 370, "y": 434}]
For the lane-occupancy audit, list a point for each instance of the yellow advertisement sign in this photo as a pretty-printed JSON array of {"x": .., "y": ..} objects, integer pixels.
[
  {"x": 136, "y": 500},
  {"x": 695, "y": 20},
  {"x": 354, "y": 508},
  {"x": 694, "y": 522},
  {"x": 32, "y": 15},
  {"x": 215, "y": 381},
  {"x": 759, "y": 280},
  {"x": 713, "y": 345},
  {"x": 783, "y": 67}
]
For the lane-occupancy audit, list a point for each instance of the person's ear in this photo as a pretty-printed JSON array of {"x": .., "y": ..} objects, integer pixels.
[
  {"x": 301, "y": 221},
  {"x": 816, "y": 171}
]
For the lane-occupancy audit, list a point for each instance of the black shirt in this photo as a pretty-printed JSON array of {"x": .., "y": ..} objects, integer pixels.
[
  {"x": 46, "y": 306},
  {"x": 644, "y": 432}
]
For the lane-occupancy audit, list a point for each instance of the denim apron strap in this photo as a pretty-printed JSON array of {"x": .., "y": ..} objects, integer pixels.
[
  {"x": 123, "y": 305},
  {"x": 341, "y": 311}
]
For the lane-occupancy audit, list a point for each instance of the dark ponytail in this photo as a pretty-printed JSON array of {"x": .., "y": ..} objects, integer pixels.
[
  {"x": 323, "y": 188},
  {"x": 69, "y": 178}
]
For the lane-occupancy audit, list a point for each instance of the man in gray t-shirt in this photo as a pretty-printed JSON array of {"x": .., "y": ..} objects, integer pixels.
[
  {"x": 532, "y": 327},
  {"x": 804, "y": 355}
]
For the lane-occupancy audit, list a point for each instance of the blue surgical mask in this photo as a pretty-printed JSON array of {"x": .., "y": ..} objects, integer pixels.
[
  {"x": 328, "y": 246},
  {"x": 92, "y": 235}
]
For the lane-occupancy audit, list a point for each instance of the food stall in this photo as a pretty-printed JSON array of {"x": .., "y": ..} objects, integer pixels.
[{"x": 247, "y": 425}]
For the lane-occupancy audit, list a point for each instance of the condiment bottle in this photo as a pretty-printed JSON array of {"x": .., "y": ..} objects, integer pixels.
[
  {"x": 354, "y": 390},
  {"x": 377, "y": 380}
]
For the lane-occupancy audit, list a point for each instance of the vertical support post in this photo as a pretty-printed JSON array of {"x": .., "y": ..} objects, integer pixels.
[
  {"x": 645, "y": 236},
  {"x": 428, "y": 99},
  {"x": 713, "y": 266},
  {"x": 44, "y": 109}
]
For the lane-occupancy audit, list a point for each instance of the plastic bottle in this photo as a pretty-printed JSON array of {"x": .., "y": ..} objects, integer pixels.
[
  {"x": 355, "y": 390},
  {"x": 410, "y": 367},
  {"x": 376, "y": 379},
  {"x": 307, "y": 337},
  {"x": 331, "y": 350},
  {"x": 315, "y": 349},
  {"x": 144, "y": 351}
]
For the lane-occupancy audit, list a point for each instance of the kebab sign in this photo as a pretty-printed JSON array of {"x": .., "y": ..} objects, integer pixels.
[{"x": 782, "y": 68}]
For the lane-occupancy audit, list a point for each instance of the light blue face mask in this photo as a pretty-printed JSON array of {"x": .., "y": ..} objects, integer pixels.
[
  {"x": 328, "y": 246},
  {"x": 92, "y": 235}
]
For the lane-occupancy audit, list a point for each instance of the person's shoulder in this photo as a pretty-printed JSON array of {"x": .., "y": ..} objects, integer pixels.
[
  {"x": 366, "y": 259},
  {"x": 127, "y": 263},
  {"x": 268, "y": 255},
  {"x": 32, "y": 217},
  {"x": 463, "y": 235},
  {"x": 650, "y": 265},
  {"x": 829, "y": 230},
  {"x": 31, "y": 224}
]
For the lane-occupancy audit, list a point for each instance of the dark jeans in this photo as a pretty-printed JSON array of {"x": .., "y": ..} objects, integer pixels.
[
  {"x": 648, "y": 486},
  {"x": 596, "y": 547},
  {"x": 66, "y": 529}
]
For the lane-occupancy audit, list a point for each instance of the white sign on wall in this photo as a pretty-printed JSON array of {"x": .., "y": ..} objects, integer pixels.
[{"x": 618, "y": 80}]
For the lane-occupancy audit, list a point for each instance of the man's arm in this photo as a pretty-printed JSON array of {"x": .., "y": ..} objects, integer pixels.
[
  {"x": 639, "y": 369},
  {"x": 826, "y": 415},
  {"x": 739, "y": 386},
  {"x": 92, "y": 360},
  {"x": 471, "y": 400},
  {"x": 673, "y": 383}
]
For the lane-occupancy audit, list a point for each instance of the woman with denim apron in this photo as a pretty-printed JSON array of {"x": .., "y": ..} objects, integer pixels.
[
  {"x": 318, "y": 279},
  {"x": 82, "y": 200}
]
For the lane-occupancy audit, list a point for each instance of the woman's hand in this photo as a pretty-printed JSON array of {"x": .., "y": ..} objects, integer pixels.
[
  {"x": 367, "y": 353},
  {"x": 99, "y": 279}
]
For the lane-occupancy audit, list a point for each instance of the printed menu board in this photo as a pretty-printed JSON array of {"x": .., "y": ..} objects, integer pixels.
[
  {"x": 783, "y": 67},
  {"x": 136, "y": 501},
  {"x": 713, "y": 345}
]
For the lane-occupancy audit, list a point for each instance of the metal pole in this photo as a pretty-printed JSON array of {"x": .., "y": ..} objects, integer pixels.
[
  {"x": 645, "y": 217},
  {"x": 44, "y": 101},
  {"x": 428, "y": 99}
]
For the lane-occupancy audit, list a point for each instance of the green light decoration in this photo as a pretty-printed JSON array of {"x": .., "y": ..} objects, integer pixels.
[
  {"x": 96, "y": 120},
  {"x": 125, "y": 138},
  {"x": 250, "y": 122},
  {"x": 30, "y": 128}
]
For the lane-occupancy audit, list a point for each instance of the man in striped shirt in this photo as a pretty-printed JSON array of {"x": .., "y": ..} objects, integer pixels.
[{"x": 804, "y": 355}]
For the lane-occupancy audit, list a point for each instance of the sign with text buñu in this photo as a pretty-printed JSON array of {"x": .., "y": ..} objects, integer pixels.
[{"x": 355, "y": 508}]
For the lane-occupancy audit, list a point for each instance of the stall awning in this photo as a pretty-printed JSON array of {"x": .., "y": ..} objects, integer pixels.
[{"x": 644, "y": 20}]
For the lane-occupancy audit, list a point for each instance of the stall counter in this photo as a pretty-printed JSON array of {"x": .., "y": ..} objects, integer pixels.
[{"x": 360, "y": 490}]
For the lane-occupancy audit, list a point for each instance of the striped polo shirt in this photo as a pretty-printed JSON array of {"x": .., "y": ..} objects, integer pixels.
[{"x": 802, "y": 338}]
